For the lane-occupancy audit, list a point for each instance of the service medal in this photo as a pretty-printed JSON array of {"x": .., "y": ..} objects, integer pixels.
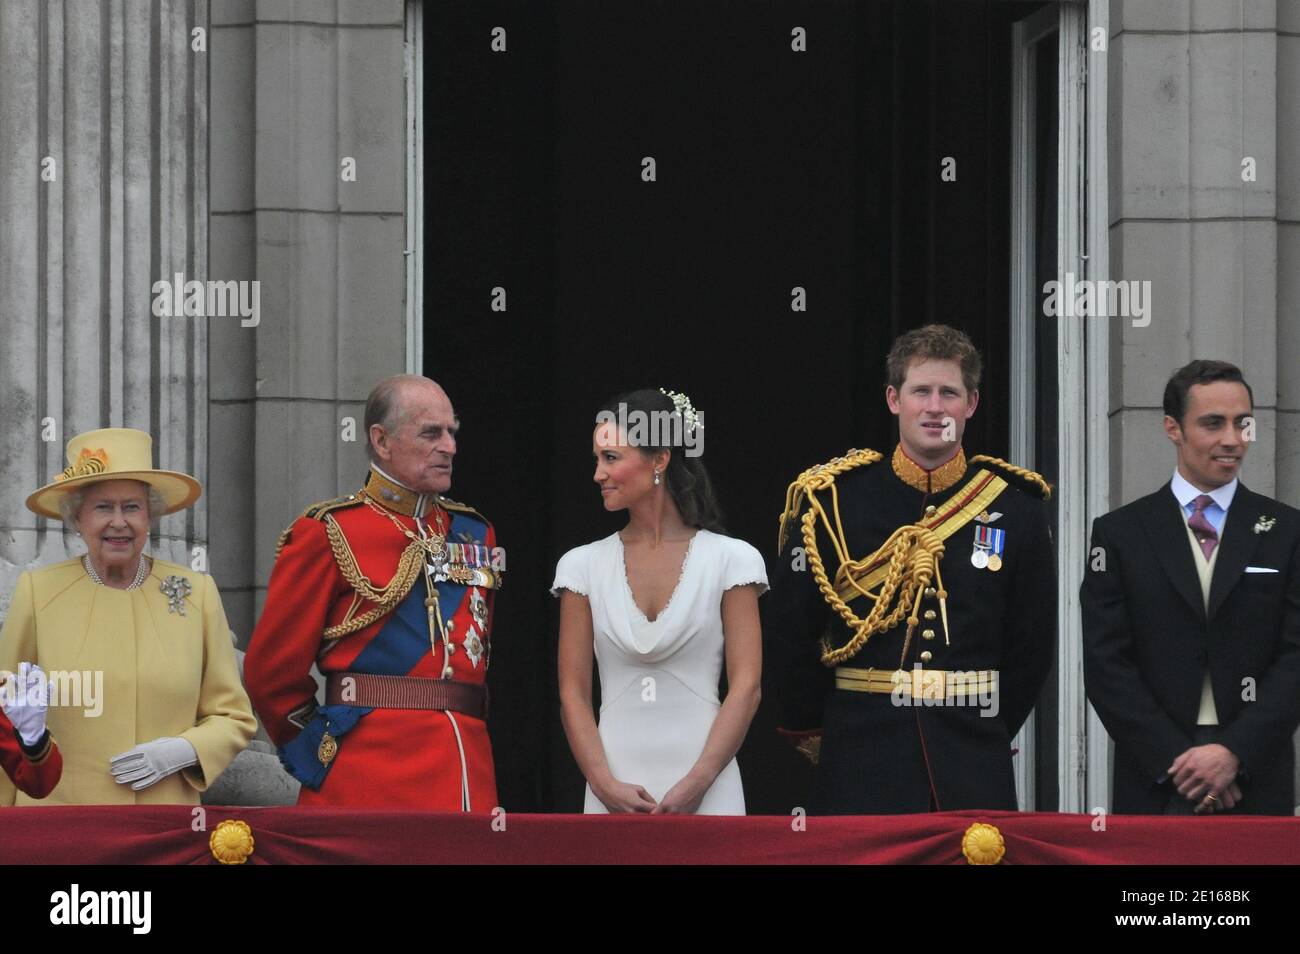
[{"x": 989, "y": 544}]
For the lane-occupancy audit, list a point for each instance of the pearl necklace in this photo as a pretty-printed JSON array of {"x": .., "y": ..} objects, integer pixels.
[{"x": 140, "y": 573}]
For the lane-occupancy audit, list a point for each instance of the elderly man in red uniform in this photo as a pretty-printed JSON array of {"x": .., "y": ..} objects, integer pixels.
[{"x": 389, "y": 591}]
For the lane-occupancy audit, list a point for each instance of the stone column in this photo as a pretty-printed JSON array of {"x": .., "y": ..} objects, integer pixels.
[
  {"x": 298, "y": 86},
  {"x": 103, "y": 191},
  {"x": 1197, "y": 88},
  {"x": 1288, "y": 252}
]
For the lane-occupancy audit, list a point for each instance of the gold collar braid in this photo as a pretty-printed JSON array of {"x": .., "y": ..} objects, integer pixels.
[
  {"x": 913, "y": 553},
  {"x": 391, "y": 495},
  {"x": 928, "y": 481}
]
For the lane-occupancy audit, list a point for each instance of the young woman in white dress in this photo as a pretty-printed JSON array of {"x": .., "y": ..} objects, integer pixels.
[{"x": 659, "y": 605}]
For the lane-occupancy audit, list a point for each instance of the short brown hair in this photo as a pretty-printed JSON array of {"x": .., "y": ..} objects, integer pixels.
[{"x": 937, "y": 343}]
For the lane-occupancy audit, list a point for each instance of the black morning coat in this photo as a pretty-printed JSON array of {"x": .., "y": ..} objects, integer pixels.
[
  {"x": 1147, "y": 641},
  {"x": 877, "y": 757}
]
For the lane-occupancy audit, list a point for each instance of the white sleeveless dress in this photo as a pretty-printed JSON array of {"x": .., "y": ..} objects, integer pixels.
[{"x": 659, "y": 681}]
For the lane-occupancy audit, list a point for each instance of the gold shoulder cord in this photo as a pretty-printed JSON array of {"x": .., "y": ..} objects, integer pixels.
[
  {"x": 1021, "y": 472},
  {"x": 913, "y": 553},
  {"x": 282, "y": 539},
  {"x": 409, "y": 568},
  {"x": 319, "y": 512}
]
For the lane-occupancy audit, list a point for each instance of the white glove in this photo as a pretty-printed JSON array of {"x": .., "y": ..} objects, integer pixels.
[
  {"x": 151, "y": 762},
  {"x": 23, "y": 697}
]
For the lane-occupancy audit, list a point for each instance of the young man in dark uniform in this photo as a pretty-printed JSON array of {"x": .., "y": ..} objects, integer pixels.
[{"x": 914, "y": 603}]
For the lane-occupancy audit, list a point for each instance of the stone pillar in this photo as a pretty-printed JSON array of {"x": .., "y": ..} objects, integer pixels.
[
  {"x": 298, "y": 86},
  {"x": 103, "y": 191},
  {"x": 1196, "y": 89},
  {"x": 1288, "y": 252}
]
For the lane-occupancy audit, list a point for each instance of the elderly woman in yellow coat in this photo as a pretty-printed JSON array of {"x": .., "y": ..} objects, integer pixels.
[{"x": 170, "y": 713}]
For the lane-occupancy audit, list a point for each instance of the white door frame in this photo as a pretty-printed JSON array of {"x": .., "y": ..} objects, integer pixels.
[
  {"x": 1097, "y": 757},
  {"x": 1082, "y": 366},
  {"x": 1025, "y": 35}
]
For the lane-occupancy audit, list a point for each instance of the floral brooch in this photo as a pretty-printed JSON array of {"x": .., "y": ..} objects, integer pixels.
[{"x": 176, "y": 588}]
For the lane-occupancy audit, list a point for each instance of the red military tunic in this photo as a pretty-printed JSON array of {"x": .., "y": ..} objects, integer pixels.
[
  {"x": 34, "y": 771},
  {"x": 348, "y": 592}
]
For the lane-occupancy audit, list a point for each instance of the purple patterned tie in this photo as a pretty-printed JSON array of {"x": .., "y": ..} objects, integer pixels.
[{"x": 1205, "y": 533}]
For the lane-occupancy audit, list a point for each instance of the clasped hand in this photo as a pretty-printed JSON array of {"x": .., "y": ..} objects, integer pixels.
[
  {"x": 1206, "y": 776},
  {"x": 682, "y": 799}
]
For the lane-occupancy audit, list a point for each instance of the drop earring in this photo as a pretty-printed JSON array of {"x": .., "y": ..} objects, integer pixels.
[{"x": 656, "y": 478}]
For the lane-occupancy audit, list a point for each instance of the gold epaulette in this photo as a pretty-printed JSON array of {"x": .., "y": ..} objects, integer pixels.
[
  {"x": 819, "y": 478},
  {"x": 317, "y": 511},
  {"x": 446, "y": 503},
  {"x": 1027, "y": 479}
]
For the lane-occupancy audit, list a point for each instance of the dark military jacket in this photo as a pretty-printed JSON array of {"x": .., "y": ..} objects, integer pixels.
[{"x": 880, "y": 756}]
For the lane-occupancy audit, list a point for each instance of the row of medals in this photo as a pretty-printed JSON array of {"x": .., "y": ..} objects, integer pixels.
[
  {"x": 436, "y": 552},
  {"x": 441, "y": 569}
]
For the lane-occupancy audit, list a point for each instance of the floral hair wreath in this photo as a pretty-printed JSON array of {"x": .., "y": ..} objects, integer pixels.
[{"x": 683, "y": 406}]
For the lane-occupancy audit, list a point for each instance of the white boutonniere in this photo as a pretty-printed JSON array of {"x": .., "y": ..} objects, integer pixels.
[{"x": 1265, "y": 524}]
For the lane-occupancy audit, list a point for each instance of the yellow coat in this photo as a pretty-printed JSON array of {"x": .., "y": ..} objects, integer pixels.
[{"x": 163, "y": 674}]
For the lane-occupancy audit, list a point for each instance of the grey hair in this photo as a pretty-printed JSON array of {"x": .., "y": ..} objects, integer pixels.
[
  {"x": 70, "y": 505},
  {"x": 386, "y": 408}
]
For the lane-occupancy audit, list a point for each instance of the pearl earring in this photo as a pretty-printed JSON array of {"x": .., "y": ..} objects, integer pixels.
[{"x": 656, "y": 478}]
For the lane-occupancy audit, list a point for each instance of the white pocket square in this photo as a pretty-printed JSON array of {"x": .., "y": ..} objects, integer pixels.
[{"x": 1260, "y": 569}]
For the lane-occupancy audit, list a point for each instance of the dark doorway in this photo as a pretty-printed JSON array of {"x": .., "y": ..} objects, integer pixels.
[{"x": 775, "y": 169}]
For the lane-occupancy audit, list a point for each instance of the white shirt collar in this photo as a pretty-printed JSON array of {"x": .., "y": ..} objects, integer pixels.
[
  {"x": 1186, "y": 493},
  {"x": 387, "y": 475}
]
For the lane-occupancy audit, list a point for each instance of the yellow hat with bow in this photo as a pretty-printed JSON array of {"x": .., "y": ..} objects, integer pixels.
[{"x": 114, "y": 453}]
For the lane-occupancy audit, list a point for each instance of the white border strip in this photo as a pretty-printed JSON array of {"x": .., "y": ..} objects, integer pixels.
[
  {"x": 1072, "y": 414},
  {"x": 1025, "y": 35},
  {"x": 1098, "y": 754}
]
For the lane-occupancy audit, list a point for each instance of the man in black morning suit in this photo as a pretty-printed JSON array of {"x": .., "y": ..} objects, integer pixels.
[{"x": 1191, "y": 621}]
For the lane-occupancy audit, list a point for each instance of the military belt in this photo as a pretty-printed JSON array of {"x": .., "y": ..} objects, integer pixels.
[
  {"x": 918, "y": 683},
  {"x": 405, "y": 692}
]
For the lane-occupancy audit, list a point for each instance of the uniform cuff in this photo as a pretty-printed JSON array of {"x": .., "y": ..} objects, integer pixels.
[{"x": 38, "y": 752}]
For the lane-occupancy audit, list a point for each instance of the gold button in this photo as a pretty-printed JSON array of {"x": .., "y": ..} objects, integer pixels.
[
  {"x": 927, "y": 634},
  {"x": 926, "y": 656},
  {"x": 930, "y": 591},
  {"x": 929, "y": 614},
  {"x": 930, "y": 510}
]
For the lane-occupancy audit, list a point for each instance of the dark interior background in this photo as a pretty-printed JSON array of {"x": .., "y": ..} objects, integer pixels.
[{"x": 776, "y": 169}]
